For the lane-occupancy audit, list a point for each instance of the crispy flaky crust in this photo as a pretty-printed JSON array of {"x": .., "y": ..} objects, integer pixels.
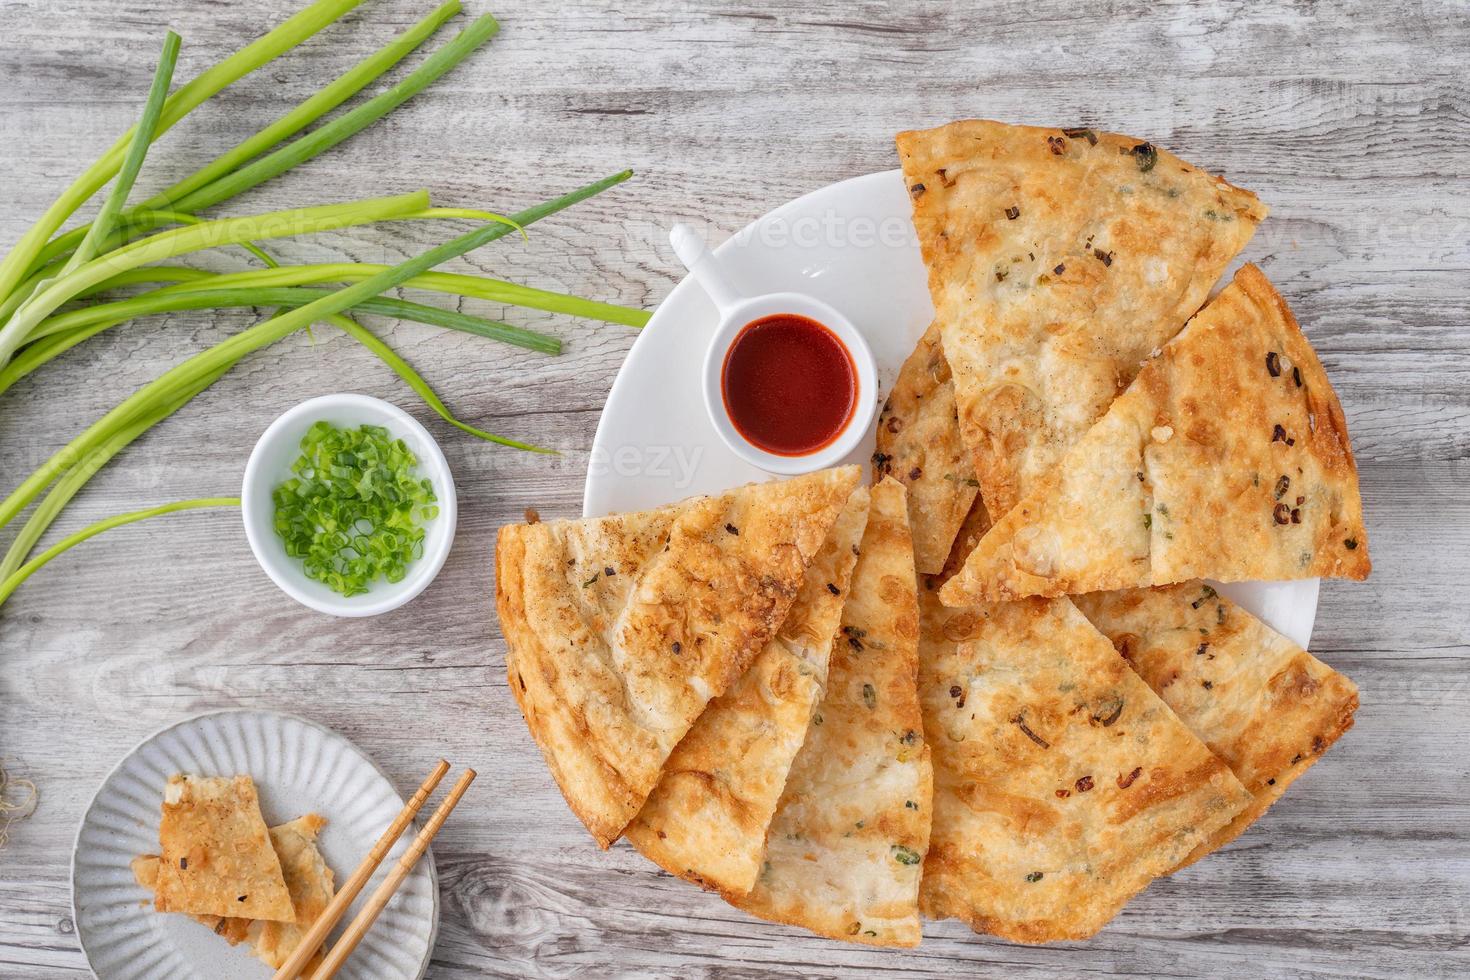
[
  {"x": 706, "y": 819},
  {"x": 311, "y": 885},
  {"x": 1062, "y": 784},
  {"x": 1058, "y": 259},
  {"x": 845, "y": 850},
  {"x": 610, "y": 675},
  {"x": 1264, "y": 705},
  {"x": 308, "y": 879},
  {"x": 1228, "y": 459},
  {"x": 216, "y": 854},
  {"x": 919, "y": 445},
  {"x": 558, "y": 609},
  {"x": 231, "y": 929}
]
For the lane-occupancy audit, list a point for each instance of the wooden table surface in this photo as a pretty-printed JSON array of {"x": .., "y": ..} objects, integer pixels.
[{"x": 1351, "y": 120}]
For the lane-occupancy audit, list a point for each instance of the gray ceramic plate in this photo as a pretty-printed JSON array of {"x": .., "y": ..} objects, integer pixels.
[{"x": 298, "y": 767}]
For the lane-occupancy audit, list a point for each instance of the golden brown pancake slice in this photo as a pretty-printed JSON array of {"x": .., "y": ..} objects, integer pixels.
[
  {"x": 308, "y": 879},
  {"x": 1062, "y": 784},
  {"x": 919, "y": 445},
  {"x": 706, "y": 819},
  {"x": 216, "y": 855},
  {"x": 1264, "y": 705},
  {"x": 844, "y": 852},
  {"x": 310, "y": 883},
  {"x": 1228, "y": 459},
  {"x": 972, "y": 529},
  {"x": 233, "y": 930},
  {"x": 609, "y": 683},
  {"x": 1058, "y": 260}
]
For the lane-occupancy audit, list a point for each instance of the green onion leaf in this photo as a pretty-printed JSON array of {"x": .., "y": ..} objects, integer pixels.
[
  {"x": 11, "y": 582},
  {"x": 474, "y": 287},
  {"x": 262, "y": 51},
  {"x": 183, "y": 376},
  {"x": 415, "y": 381},
  {"x": 329, "y": 135},
  {"x": 151, "y": 303},
  {"x": 209, "y": 234},
  {"x": 143, "y": 135}
]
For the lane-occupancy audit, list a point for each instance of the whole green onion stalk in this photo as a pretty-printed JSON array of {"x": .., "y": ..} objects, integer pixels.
[
  {"x": 43, "y": 278},
  {"x": 181, "y": 377},
  {"x": 285, "y": 37},
  {"x": 156, "y": 212},
  {"x": 219, "y": 181}
]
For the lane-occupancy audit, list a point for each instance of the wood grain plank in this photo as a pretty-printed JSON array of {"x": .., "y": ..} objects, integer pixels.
[{"x": 1352, "y": 121}]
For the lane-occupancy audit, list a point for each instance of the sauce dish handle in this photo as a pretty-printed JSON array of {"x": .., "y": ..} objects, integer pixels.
[{"x": 691, "y": 250}]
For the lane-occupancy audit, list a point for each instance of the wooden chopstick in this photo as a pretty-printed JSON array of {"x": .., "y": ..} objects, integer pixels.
[
  {"x": 364, "y": 920},
  {"x": 334, "y": 911}
]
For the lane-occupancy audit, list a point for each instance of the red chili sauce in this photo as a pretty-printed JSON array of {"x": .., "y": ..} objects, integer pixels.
[{"x": 789, "y": 384}]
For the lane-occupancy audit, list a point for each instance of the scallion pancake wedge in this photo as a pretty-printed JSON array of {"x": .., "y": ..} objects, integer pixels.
[
  {"x": 1228, "y": 458},
  {"x": 231, "y": 929},
  {"x": 1058, "y": 260},
  {"x": 311, "y": 884},
  {"x": 919, "y": 445},
  {"x": 1062, "y": 784},
  {"x": 1264, "y": 705},
  {"x": 844, "y": 852},
  {"x": 609, "y": 684},
  {"x": 706, "y": 819},
  {"x": 215, "y": 852},
  {"x": 308, "y": 880}
]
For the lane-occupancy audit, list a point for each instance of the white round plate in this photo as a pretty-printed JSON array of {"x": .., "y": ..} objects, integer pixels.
[
  {"x": 298, "y": 767},
  {"x": 851, "y": 245}
]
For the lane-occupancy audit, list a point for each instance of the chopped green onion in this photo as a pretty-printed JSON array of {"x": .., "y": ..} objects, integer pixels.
[{"x": 353, "y": 511}]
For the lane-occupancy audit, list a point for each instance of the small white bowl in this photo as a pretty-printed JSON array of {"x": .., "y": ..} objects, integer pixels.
[
  {"x": 270, "y": 465},
  {"x": 736, "y": 313},
  {"x": 733, "y": 320}
]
